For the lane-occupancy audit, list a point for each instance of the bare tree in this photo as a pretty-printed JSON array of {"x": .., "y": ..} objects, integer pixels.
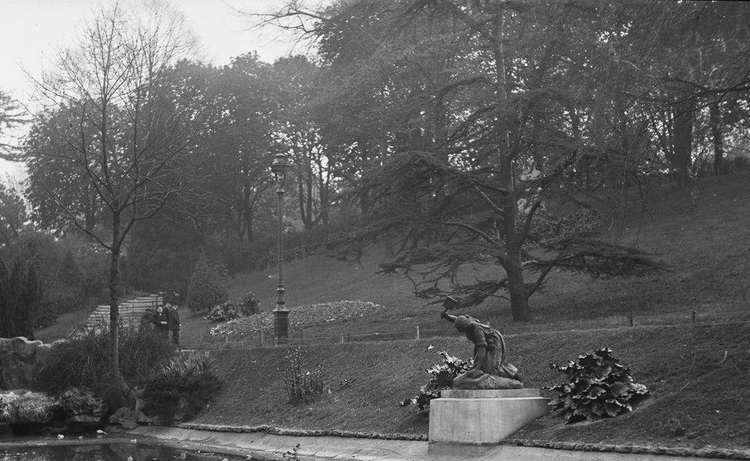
[
  {"x": 122, "y": 133},
  {"x": 10, "y": 116}
]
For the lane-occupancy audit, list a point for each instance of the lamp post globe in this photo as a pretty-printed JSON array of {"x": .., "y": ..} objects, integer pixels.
[{"x": 280, "y": 167}]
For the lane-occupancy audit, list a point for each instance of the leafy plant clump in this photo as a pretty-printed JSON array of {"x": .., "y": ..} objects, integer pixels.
[
  {"x": 598, "y": 387},
  {"x": 302, "y": 385},
  {"x": 443, "y": 375},
  {"x": 186, "y": 384},
  {"x": 224, "y": 312}
]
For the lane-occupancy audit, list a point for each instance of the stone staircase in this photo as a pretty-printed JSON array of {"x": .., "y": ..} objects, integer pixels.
[{"x": 130, "y": 311}]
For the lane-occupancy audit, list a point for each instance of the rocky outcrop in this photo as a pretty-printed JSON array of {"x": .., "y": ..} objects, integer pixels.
[
  {"x": 26, "y": 407},
  {"x": 29, "y": 412},
  {"x": 82, "y": 408},
  {"x": 20, "y": 360}
]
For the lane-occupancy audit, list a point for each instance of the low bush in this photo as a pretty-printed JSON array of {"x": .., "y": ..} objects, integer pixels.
[
  {"x": 223, "y": 312},
  {"x": 250, "y": 304},
  {"x": 302, "y": 385},
  {"x": 598, "y": 387},
  {"x": 83, "y": 362},
  {"x": 443, "y": 375},
  {"x": 187, "y": 378}
]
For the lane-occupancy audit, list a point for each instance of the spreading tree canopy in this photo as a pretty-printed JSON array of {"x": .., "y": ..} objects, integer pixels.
[{"x": 477, "y": 126}]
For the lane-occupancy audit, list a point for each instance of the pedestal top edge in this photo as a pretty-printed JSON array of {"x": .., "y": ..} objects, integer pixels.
[{"x": 489, "y": 393}]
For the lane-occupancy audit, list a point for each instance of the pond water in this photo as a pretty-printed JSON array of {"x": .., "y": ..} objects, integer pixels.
[{"x": 105, "y": 451}]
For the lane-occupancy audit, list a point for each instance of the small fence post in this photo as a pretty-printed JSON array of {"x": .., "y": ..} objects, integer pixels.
[
  {"x": 342, "y": 339},
  {"x": 417, "y": 332},
  {"x": 693, "y": 316},
  {"x": 630, "y": 316},
  {"x": 348, "y": 337}
]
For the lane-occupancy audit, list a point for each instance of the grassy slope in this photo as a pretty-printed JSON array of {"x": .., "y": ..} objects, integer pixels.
[{"x": 698, "y": 399}]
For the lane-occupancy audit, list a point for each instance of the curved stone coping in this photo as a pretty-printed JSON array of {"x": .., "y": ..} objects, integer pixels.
[
  {"x": 575, "y": 451},
  {"x": 700, "y": 453},
  {"x": 410, "y": 446},
  {"x": 301, "y": 432}
]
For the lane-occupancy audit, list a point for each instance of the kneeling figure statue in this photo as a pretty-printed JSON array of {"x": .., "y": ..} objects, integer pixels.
[{"x": 490, "y": 370}]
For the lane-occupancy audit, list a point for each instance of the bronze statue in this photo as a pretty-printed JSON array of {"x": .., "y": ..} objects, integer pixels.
[{"x": 491, "y": 370}]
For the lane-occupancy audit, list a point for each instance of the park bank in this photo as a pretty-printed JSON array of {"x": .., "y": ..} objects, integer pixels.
[{"x": 272, "y": 443}]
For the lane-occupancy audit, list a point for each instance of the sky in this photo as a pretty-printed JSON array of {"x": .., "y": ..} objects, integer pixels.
[{"x": 33, "y": 31}]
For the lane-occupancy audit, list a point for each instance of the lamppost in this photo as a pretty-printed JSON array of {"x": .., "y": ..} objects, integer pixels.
[{"x": 280, "y": 167}]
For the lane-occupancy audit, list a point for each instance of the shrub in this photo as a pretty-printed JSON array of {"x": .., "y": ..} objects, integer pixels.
[
  {"x": 206, "y": 288},
  {"x": 598, "y": 387},
  {"x": 302, "y": 385},
  {"x": 187, "y": 377},
  {"x": 250, "y": 304},
  {"x": 83, "y": 361},
  {"x": 223, "y": 312},
  {"x": 443, "y": 375},
  {"x": 20, "y": 296}
]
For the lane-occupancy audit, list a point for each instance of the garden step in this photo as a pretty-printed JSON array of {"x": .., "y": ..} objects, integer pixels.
[{"x": 130, "y": 312}]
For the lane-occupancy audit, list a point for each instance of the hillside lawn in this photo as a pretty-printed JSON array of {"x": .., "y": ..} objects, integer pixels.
[{"x": 684, "y": 332}]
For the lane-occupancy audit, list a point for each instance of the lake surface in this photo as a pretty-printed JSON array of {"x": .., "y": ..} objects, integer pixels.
[{"x": 106, "y": 451}]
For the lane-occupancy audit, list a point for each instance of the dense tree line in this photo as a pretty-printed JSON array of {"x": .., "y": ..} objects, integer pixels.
[
  {"x": 458, "y": 131},
  {"x": 481, "y": 127}
]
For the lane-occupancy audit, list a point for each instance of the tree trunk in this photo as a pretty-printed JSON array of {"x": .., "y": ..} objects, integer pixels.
[
  {"x": 718, "y": 138},
  {"x": 519, "y": 300},
  {"x": 117, "y": 385},
  {"x": 683, "y": 140}
]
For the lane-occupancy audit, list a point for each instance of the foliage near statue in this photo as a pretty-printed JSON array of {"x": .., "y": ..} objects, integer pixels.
[
  {"x": 598, "y": 387},
  {"x": 443, "y": 375}
]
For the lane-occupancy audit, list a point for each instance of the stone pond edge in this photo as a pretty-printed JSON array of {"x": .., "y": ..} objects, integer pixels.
[{"x": 715, "y": 453}]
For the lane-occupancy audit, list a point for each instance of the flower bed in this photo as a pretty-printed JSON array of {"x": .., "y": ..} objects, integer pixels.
[{"x": 299, "y": 317}]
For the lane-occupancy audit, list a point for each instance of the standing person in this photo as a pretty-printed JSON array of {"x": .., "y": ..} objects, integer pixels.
[
  {"x": 160, "y": 321},
  {"x": 173, "y": 323}
]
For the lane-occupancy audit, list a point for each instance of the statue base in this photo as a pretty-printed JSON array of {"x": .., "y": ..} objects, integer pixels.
[{"x": 482, "y": 417}]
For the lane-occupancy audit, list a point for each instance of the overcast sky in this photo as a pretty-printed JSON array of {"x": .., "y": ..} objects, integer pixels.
[{"x": 32, "y": 31}]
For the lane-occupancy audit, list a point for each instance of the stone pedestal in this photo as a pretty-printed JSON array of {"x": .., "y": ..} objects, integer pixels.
[{"x": 482, "y": 417}]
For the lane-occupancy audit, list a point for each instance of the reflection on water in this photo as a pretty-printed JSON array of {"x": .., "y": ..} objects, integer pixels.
[{"x": 109, "y": 452}]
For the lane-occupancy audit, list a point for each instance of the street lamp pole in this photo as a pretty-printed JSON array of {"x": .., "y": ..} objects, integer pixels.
[{"x": 280, "y": 167}]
